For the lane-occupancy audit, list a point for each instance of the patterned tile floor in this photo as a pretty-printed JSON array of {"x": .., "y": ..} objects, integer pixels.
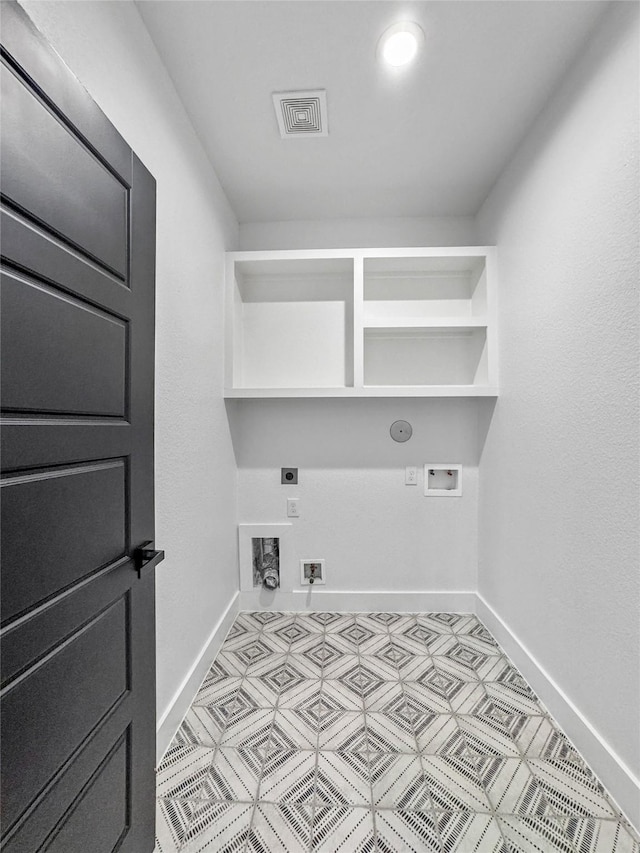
[{"x": 375, "y": 733}]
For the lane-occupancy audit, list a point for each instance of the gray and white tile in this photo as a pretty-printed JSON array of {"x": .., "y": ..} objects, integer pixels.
[
  {"x": 470, "y": 832},
  {"x": 414, "y": 831},
  {"x": 343, "y": 779},
  {"x": 453, "y": 784},
  {"x": 182, "y": 771},
  {"x": 398, "y": 781},
  {"x": 511, "y": 787},
  {"x": 571, "y": 790},
  {"x": 280, "y": 828},
  {"x": 234, "y": 775},
  {"x": 534, "y": 835},
  {"x": 289, "y": 777},
  {"x": 595, "y": 835},
  {"x": 218, "y": 826},
  {"x": 343, "y": 829}
]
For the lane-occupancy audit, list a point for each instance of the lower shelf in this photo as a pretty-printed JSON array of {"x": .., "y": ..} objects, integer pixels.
[{"x": 366, "y": 391}]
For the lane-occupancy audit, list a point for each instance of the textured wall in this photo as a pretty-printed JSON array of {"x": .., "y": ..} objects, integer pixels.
[
  {"x": 355, "y": 511},
  {"x": 107, "y": 46},
  {"x": 352, "y": 233},
  {"x": 559, "y": 473}
]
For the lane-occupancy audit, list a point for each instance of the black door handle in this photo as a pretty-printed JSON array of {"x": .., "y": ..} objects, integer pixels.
[{"x": 146, "y": 558}]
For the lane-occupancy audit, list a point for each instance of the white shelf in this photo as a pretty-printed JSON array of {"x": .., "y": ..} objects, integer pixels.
[
  {"x": 361, "y": 323},
  {"x": 426, "y": 323},
  {"x": 368, "y": 391}
]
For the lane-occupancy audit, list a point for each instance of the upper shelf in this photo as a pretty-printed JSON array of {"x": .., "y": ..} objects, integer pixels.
[{"x": 361, "y": 323}]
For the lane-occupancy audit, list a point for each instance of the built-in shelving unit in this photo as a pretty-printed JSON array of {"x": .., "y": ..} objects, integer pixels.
[{"x": 361, "y": 323}]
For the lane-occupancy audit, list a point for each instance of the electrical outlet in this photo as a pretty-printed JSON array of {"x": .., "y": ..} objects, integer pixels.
[
  {"x": 411, "y": 475},
  {"x": 293, "y": 508}
]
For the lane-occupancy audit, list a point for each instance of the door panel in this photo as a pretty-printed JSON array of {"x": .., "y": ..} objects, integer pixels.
[
  {"x": 63, "y": 355},
  {"x": 40, "y": 704},
  {"x": 76, "y": 519},
  {"x": 106, "y": 795},
  {"x": 44, "y": 163},
  {"x": 77, "y": 689}
]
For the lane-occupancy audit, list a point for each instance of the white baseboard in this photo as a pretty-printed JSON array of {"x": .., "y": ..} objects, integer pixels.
[
  {"x": 348, "y": 601},
  {"x": 170, "y": 720},
  {"x": 619, "y": 780}
]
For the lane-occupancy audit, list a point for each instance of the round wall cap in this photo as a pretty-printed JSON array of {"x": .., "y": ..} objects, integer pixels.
[{"x": 401, "y": 431}]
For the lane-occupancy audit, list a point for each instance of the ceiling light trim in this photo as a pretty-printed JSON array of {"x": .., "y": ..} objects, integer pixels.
[
  {"x": 301, "y": 114},
  {"x": 400, "y": 29}
]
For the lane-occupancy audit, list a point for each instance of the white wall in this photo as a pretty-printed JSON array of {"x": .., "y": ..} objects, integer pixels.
[
  {"x": 559, "y": 473},
  {"x": 362, "y": 233},
  {"x": 108, "y": 48},
  {"x": 375, "y": 533}
]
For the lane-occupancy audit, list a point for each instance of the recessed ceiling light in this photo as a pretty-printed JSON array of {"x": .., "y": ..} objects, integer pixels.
[{"x": 399, "y": 44}]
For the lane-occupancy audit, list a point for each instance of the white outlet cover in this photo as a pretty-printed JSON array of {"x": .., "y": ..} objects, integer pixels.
[
  {"x": 411, "y": 475},
  {"x": 320, "y": 579},
  {"x": 442, "y": 493}
]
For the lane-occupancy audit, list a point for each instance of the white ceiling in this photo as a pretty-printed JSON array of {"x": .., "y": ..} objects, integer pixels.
[{"x": 428, "y": 140}]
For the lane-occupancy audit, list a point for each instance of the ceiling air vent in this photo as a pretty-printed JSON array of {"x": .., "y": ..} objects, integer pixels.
[{"x": 301, "y": 114}]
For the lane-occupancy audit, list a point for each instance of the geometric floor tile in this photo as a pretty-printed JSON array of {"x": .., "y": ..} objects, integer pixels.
[
  {"x": 344, "y": 732},
  {"x": 172, "y": 820},
  {"x": 512, "y": 699},
  {"x": 233, "y": 776},
  {"x": 476, "y": 634},
  {"x": 301, "y": 694},
  {"x": 215, "y": 690},
  {"x": 470, "y": 832},
  {"x": 249, "y": 729},
  {"x": 218, "y": 826},
  {"x": 453, "y": 784},
  {"x": 384, "y": 669},
  {"x": 534, "y": 835},
  {"x": 258, "y": 693},
  {"x": 538, "y": 737},
  {"x": 592, "y": 835},
  {"x": 571, "y": 789},
  {"x": 375, "y": 733},
  {"x": 340, "y": 829},
  {"x": 486, "y": 736},
  {"x": 182, "y": 771},
  {"x": 425, "y": 697},
  {"x": 389, "y": 734},
  {"x": 511, "y": 787},
  {"x": 289, "y": 777},
  {"x": 405, "y": 830},
  {"x": 202, "y": 725},
  {"x": 293, "y": 730},
  {"x": 472, "y": 699},
  {"x": 343, "y": 779},
  {"x": 439, "y": 734},
  {"x": 420, "y": 639},
  {"x": 387, "y": 697},
  {"x": 282, "y": 828},
  {"x": 341, "y": 696},
  {"x": 397, "y": 782}
]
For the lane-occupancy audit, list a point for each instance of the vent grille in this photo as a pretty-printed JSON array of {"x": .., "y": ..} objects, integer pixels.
[{"x": 301, "y": 114}]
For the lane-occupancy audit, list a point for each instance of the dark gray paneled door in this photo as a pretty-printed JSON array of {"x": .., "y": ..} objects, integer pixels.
[{"x": 78, "y": 644}]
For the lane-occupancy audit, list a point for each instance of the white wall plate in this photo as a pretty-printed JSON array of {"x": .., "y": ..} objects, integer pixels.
[
  {"x": 319, "y": 576},
  {"x": 442, "y": 480}
]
